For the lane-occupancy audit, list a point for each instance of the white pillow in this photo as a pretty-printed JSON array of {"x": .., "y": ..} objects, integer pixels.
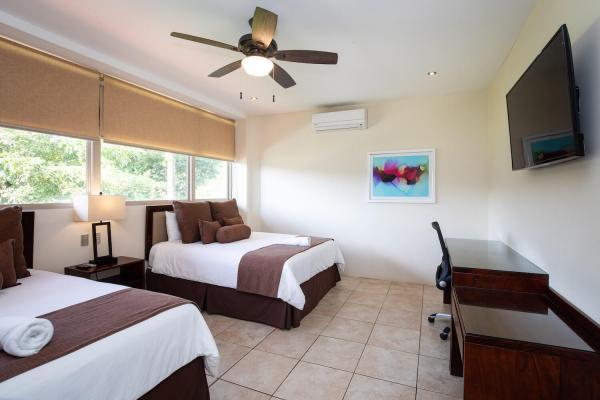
[{"x": 173, "y": 232}]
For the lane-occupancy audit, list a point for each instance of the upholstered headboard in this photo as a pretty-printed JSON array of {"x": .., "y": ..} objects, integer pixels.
[
  {"x": 156, "y": 227},
  {"x": 27, "y": 221}
]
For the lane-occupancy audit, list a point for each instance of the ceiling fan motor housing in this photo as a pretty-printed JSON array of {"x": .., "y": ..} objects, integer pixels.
[{"x": 251, "y": 48}]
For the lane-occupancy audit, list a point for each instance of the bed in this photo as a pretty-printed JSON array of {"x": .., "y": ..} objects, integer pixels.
[
  {"x": 207, "y": 274},
  {"x": 163, "y": 356}
]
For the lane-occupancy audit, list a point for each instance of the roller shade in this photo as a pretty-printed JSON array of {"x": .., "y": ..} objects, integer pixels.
[
  {"x": 45, "y": 93},
  {"x": 135, "y": 116}
]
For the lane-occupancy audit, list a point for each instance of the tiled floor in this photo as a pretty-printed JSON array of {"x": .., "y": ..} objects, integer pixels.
[{"x": 367, "y": 339}]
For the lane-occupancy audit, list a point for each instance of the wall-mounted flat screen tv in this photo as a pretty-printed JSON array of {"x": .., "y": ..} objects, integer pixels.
[{"x": 543, "y": 109}]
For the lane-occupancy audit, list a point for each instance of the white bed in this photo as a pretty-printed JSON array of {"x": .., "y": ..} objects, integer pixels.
[
  {"x": 129, "y": 362},
  {"x": 217, "y": 263}
]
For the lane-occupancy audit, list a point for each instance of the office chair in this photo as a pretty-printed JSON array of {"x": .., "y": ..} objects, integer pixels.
[{"x": 443, "y": 278}]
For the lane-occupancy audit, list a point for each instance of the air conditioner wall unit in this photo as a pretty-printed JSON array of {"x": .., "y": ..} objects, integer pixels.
[{"x": 330, "y": 121}]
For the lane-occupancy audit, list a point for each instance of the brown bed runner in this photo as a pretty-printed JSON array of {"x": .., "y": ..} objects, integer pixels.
[
  {"x": 81, "y": 324},
  {"x": 260, "y": 270}
]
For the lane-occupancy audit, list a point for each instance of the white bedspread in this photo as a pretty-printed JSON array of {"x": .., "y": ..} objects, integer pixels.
[
  {"x": 124, "y": 365},
  {"x": 217, "y": 263}
]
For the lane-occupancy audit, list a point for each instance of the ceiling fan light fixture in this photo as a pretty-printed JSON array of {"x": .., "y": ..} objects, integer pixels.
[{"x": 257, "y": 65}]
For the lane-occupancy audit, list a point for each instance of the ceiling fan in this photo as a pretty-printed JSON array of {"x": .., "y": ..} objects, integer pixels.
[{"x": 259, "y": 47}]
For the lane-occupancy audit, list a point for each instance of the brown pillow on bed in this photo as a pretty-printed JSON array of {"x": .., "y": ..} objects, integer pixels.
[
  {"x": 7, "y": 266},
  {"x": 11, "y": 228},
  {"x": 233, "y": 221},
  {"x": 224, "y": 209},
  {"x": 233, "y": 233},
  {"x": 208, "y": 231},
  {"x": 188, "y": 214}
]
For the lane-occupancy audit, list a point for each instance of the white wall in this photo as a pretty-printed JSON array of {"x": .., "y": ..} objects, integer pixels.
[
  {"x": 317, "y": 183},
  {"x": 57, "y": 238},
  {"x": 246, "y": 171},
  {"x": 551, "y": 215}
]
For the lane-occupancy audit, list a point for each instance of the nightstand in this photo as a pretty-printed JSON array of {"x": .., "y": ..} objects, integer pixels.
[{"x": 131, "y": 272}]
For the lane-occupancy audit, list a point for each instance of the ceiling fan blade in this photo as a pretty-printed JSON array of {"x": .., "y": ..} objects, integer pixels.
[
  {"x": 282, "y": 77},
  {"x": 307, "y": 56},
  {"x": 226, "y": 69},
  {"x": 204, "y": 41},
  {"x": 264, "y": 24}
]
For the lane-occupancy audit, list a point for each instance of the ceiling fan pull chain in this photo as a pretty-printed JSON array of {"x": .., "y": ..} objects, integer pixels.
[{"x": 273, "y": 84}]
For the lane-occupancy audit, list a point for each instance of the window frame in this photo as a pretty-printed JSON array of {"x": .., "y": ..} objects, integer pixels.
[
  {"x": 94, "y": 178},
  {"x": 147, "y": 201},
  {"x": 192, "y": 182},
  {"x": 53, "y": 205}
]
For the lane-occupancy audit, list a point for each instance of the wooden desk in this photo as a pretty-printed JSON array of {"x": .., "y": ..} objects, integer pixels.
[
  {"x": 493, "y": 265},
  {"x": 512, "y": 336}
]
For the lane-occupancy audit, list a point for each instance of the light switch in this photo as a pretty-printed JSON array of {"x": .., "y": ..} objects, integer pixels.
[{"x": 85, "y": 240}]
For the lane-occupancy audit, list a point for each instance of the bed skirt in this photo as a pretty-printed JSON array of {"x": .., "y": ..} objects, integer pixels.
[
  {"x": 251, "y": 307},
  {"x": 187, "y": 383}
]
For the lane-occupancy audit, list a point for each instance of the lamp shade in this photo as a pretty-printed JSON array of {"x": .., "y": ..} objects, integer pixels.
[{"x": 98, "y": 207}]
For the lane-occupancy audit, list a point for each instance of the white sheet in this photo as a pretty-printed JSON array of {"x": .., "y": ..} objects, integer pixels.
[
  {"x": 124, "y": 365},
  {"x": 217, "y": 263}
]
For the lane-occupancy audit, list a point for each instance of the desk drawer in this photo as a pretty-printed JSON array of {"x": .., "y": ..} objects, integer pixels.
[{"x": 530, "y": 283}]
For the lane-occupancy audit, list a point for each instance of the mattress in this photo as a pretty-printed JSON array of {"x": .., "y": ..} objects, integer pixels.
[
  {"x": 124, "y": 365},
  {"x": 217, "y": 263}
]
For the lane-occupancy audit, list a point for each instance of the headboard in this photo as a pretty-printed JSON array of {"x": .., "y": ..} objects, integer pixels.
[
  {"x": 27, "y": 221},
  {"x": 156, "y": 227}
]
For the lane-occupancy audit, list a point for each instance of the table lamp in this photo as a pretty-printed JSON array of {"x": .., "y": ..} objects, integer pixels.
[{"x": 99, "y": 208}]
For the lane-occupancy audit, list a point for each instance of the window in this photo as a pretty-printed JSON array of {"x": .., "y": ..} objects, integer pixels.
[
  {"x": 212, "y": 178},
  {"x": 40, "y": 168},
  {"x": 141, "y": 174}
]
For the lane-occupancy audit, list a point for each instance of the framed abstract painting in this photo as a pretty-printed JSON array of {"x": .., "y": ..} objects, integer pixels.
[{"x": 406, "y": 176}]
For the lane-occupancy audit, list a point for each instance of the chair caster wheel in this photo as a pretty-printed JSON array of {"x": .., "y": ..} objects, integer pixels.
[
  {"x": 431, "y": 318},
  {"x": 444, "y": 336},
  {"x": 447, "y": 330}
]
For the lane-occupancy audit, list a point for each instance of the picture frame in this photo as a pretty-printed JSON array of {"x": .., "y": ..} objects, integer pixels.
[
  {"x": 102, "y": 257},
  {"x": 402, "y": 176}
]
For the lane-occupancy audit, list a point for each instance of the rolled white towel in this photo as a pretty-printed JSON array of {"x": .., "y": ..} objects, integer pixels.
[
  {"x": 23, "y": 336},
  {"x": 297, "y": 241}
]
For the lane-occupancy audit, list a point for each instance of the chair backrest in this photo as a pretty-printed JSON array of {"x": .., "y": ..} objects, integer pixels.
[
  {"x": 445, "y": 252},
  {"x": 443, "y": 275}
]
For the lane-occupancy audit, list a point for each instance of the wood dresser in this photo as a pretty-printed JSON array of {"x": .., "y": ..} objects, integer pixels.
[{"x": 513, "y": 337}]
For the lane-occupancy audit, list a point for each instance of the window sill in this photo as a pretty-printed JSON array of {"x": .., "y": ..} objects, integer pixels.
[
  {"x": 161, "y": 202},
  {"x": 40, "y": 206},
  {"x": 57, "y": 206}
]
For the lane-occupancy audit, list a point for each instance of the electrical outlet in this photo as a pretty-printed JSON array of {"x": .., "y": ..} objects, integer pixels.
[
  {"x": 85, "y": 240},
  {"x": 98, "y": 238}
]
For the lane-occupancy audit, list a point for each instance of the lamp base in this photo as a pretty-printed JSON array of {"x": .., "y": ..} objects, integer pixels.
[{"x": 104, "y": 260}]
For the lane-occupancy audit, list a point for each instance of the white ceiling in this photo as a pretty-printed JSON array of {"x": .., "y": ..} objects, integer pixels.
[{"x": 385, "y": 47}]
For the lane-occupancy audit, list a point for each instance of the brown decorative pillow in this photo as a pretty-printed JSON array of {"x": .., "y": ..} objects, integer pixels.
[
  {"x": 187, "y": 215},
  {"x": 233, "y": 221},
  {"x": 11, "y": 228},
  {"x": 208, "y": 231},
  {"x": 7, "y": 266},
  {"x": 224, "y": 209},
  {"x": 233, "y": 233}
]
